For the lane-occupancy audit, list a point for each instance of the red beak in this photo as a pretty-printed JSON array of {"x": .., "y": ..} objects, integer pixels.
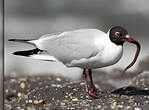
[{"x": 132, "y": 40}]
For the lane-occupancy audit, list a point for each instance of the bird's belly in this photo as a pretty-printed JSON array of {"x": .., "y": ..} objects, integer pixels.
[{"x": 101, "y": 60}]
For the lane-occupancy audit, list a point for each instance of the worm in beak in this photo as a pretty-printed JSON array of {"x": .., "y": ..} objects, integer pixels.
[{"x": 132, "y": 40}]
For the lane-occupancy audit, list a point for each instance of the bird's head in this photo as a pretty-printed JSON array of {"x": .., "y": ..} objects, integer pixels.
[{"x": 119, "y": 35}]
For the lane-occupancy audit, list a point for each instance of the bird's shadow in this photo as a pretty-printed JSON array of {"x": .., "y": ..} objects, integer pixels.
[{"x": 130, "y": 90}]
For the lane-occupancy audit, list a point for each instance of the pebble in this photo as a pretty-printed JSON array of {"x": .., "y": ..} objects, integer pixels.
[
  {"x": 137, "y": 108},
  {"x": 40, "y": 101},
  {"x": 53, "y": 85},
  {"x": 58, "y": 79},
  {"x": 129, "y": 107},
  {"x": 75, "y": 89},
  {"x": 99, "y": 106},
  {"x": 46, "y": 86},
  {"x": 82, "y": 83},
  {"x": 66, "y": 96},
  {"x": 22, "y": 85},
  {"x": 26, "y": 101},
  {"x": 36, "y": 102},
  {"x": 63, "y": 105},
  {"x": 120, "y": 106},
  {"x": 30, "y": 101},
  {"x": 113, "y": 105},
  {"x": 19, "y": 108},
  {"x": 19, "y": 94},
  {"x": 75, "y": 99},
  {"x": 29, "y": 108},
  {"x": 60, "y": 86}
]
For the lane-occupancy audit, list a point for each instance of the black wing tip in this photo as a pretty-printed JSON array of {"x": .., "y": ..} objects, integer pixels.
[
  {"x": 11, "y": 39},
  {"x": 19, "y": 40},
  {"x": 27, "y": 53},
  {"x": 21, "y": 53}
]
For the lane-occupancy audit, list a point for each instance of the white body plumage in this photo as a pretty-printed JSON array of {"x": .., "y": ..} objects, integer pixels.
[{"x": 84, "y": 48}]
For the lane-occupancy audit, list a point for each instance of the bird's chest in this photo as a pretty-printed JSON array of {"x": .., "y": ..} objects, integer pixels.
[{"x": 110, "y": 55}]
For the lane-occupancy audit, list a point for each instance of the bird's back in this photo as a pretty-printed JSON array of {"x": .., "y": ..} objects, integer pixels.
[{"x": 70, "y": 45}]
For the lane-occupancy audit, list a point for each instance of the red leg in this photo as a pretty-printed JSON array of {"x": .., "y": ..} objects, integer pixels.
[
  {"x": 86, "y": 86},
  {"x": 93, "y": 88}
]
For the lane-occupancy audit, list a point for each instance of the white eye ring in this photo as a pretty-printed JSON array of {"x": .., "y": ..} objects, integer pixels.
[{"x": 117, "y": 34}]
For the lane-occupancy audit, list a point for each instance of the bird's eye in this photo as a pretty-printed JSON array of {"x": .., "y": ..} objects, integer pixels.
[{"x": 117, "y": 34}]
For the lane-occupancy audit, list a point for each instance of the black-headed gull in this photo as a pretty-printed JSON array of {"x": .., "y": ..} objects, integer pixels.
[{"x": 84, "y": 48}]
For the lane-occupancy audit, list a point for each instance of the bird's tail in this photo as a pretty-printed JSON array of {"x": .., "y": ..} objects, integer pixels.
[{"x": 23, "y": 41}]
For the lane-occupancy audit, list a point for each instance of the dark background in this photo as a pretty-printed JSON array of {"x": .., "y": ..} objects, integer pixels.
[{"x": 30, "y": 19}]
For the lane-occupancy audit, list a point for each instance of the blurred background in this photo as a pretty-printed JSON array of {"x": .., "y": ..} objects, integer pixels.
[
  {"x": 1, "y": 37},
  {"x": 30, "y": 19},
  {"x": 1, "y": 54}
]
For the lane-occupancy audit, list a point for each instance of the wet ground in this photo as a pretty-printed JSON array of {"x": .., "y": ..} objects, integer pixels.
[{"x": 56, "y": 93}]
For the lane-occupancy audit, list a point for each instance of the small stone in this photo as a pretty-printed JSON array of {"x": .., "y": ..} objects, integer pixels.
[
  {"x": 120, "y": 106},
  {"x": 128, "y": 107},
  {"x": 99, "y": 106},
  {"x": 75, "y": 99},
  {"x": 40, "y": 101},
  {"x": 113, "y": 105},
  {"x": 75, "y": 89},
  {"x": 59, "y": 85},
  {"x": 137, "y": 108},
  {"x": 81, "y": 97},
  {"x": 18, "y": 108},
  {"x": 30, "y": 101},
  {"x": 145, "y": 88},
  {"x": 19, "y": 94},
  {"x": 82, "y": 83},
  {"x": 69, "y": 86},
  {"x": 36, "y": 102},
  {"x": 22, "y": 85},
  {"x": 70, "y": 94},
  {"x": 53, "y": 85},
  {"x": 29, "y": 108},
  {"x": 58, "y": 79},
  {"x": 26, "y": 101},
  {"x": 63, "y": 105},
  {"x": 66, "y": 96}
]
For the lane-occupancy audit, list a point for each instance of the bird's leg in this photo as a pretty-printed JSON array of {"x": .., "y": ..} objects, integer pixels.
[
  {"x": 85, "y": 80},
  {"x": 93, "y": 87},
  {"x": 86, "y": 86}
]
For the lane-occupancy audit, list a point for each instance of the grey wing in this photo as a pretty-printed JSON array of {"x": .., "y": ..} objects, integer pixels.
[{"x": 69, "y": 46}]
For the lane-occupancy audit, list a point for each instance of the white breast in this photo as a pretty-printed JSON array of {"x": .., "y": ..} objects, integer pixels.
[{"x": 110, "y": 55}]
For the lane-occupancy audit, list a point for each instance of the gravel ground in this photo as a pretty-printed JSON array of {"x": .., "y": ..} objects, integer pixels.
[{"x": 58, "y": 93}]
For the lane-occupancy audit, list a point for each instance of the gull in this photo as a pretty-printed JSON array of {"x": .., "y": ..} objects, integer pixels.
[{"x": 84, "y": 48}]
